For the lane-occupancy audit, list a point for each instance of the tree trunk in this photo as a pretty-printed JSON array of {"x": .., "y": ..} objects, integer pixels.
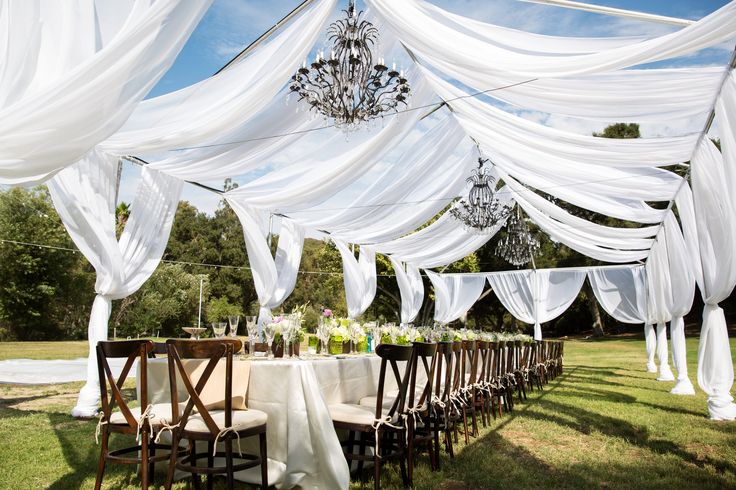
[{"x": 595, "y": 313}]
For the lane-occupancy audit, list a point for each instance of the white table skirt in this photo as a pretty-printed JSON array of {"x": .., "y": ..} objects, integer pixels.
[{"x": 294, "y": 394}]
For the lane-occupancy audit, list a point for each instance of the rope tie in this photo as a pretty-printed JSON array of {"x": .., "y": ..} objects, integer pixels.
[
  {"x": 165, "y": 427},
  {"x": 435, "y": 402},
  {"x": 456, "y": 402},
  {"x": 223, "y": 433},
  {"x": 414, "y": 411},
  {"x": 146, "y": 416},
  {"x": 377, "y": 423},
  {"x": 98, "y": 430}
]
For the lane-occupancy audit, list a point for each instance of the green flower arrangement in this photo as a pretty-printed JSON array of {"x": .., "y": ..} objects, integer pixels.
[
  {"x": 313, "y": 341},
  {"x": 362, "y": 345}
]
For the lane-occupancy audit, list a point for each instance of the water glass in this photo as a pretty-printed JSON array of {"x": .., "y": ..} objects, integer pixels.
[
  {"x": 218, "y": 329},
  {"x": 234, "y": 321}
]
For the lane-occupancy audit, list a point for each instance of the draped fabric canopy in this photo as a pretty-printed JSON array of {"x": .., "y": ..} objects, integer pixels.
[{"x": 71, "y": 90}]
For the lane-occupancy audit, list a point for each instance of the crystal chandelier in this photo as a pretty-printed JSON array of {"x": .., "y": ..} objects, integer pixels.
[
  {"x": 519, "y": 246},
  {"x": 348, "y": 87},
  {"x": 481, "y": 210}
]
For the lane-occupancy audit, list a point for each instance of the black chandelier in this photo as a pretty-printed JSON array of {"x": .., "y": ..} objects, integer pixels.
[
  {"x": 348, "y": 87},
  {"x": 481, "y": 210},
  {"x": 520, "y": 245}
]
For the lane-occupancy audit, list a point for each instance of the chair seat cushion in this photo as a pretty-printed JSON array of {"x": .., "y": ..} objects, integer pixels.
[
  {"x": 242, "y": 420},
  {"x": 160, "y": 413},
  {"x": 355, "y": 414},
  {"x": 370, "y": 402}
]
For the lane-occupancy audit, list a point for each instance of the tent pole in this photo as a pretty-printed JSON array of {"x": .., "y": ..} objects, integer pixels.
[
  {"x": 601, "y": 9},
  {"x": 247, "y": 50}
]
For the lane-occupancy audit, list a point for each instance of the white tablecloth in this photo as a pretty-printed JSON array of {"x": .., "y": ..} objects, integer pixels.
[{"x": 294, "y": 393}]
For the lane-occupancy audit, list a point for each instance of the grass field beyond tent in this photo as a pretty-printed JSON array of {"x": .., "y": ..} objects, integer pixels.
[{"x": 605, "y": 422}]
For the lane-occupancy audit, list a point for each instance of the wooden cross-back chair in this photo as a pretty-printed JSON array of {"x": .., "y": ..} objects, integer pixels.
[
  {"x": 442, "y": 412},
  {"x": 211, "y": 425},
  {"x": 118, "y": 417},
  {"x": 468, "y": 379},
  {"x": 518, "y": 369},
  {"x": 495, "y": 392},
  {"x": 381, "y": 427},
  {"x": 482, "y": 393},
  {"x": 506, "y": 375},
  {"x": 422, "y": 426}
]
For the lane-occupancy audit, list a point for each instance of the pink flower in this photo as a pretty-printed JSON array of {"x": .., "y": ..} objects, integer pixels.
[
  {"x": 278, "y": 319},
  {"x": 327, "y": 312}
]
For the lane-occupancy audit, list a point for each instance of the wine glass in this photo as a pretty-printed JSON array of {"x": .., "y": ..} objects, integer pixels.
[
  {"x": 323, "y": 334},
  {"x": 218, "y": 328},
  {"x": 233, "y": 321},
  {"x": 252, "y": 329},
  {"x": 269, "y": 330}
]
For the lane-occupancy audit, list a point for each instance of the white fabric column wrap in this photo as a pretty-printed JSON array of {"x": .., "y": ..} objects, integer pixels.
[
  {"x": 716, "y": 232},
  {"x": 83, "y": 195}
]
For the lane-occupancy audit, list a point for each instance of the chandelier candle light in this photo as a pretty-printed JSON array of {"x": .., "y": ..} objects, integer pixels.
[
  {"x": 348, "y": 87},
  {"x": 481, "y": 210},
  {"x": 519, "y": 246}
]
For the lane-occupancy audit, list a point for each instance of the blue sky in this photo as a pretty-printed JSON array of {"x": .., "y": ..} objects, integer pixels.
[{"x": 230, "y": 25}]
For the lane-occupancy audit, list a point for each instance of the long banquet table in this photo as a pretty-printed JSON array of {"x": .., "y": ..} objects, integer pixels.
[{"x": 303, "y": 447}]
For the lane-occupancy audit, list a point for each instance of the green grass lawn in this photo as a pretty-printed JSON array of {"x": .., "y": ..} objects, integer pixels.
[{"x": 605, "y": 422}]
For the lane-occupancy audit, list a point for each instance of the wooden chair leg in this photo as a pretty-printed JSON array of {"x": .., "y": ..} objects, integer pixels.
[
  {"x": 436, "y": 434},
  {"x": 401, "y": 443},
  {"x": 196, "y": 482},
  {"x": 172, "y": 463},
  {"x": 465, "y": 425},
  {"x": 264, "y": 461},
  {"x": 151, "y": 465},
  {"x": 410, "y": 451},
  {"x": 351, "y": 444},
  {"x": 361, "y": 451},
  {"x": 103, "y": 459},
  {"x": 377, "y": 467},
  {"x": 144, "y": 459},
  {"x": 229, "y": 463},
  {"x": 210, "y": 464}
]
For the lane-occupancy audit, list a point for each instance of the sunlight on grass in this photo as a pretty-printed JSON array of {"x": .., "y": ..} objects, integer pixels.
[{"x": 605, "y": 422}]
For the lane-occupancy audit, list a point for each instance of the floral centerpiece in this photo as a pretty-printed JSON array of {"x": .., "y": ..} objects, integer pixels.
[
  {"x": 339, "y": 334},
  {"x": 358, "y": 337}
]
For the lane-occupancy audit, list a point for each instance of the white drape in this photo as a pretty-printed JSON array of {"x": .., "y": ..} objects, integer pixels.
[
  {"x": 606, "y": 243},
  {"x": 74, "y": 73},
  {"x": 425, "y": 30},
  {"x": 318, "y": 176},
  {"x": 651, "y": 95},
  {"x": 716, "y": 232},
  {"x": 455, "y": 294},
  {"x": 359, "y": 277},
  {"x": 83, "y": 195},
  {"x": 622, "y": 292},
  {"x": 203, "y": 110},
  {"x": 537, "y": 296},
  {"x": 411, "y": 287},
  {"x": 274, "y": 277},
  {"x": 671, "y": 290},
  {"x": 404, "y": 195}
]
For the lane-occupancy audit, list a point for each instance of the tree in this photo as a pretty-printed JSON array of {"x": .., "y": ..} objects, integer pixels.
[
  {"x": 165, "y": 303},
  {"x": 620, "y": 131},
  {"x": 46, "y": 291}
]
